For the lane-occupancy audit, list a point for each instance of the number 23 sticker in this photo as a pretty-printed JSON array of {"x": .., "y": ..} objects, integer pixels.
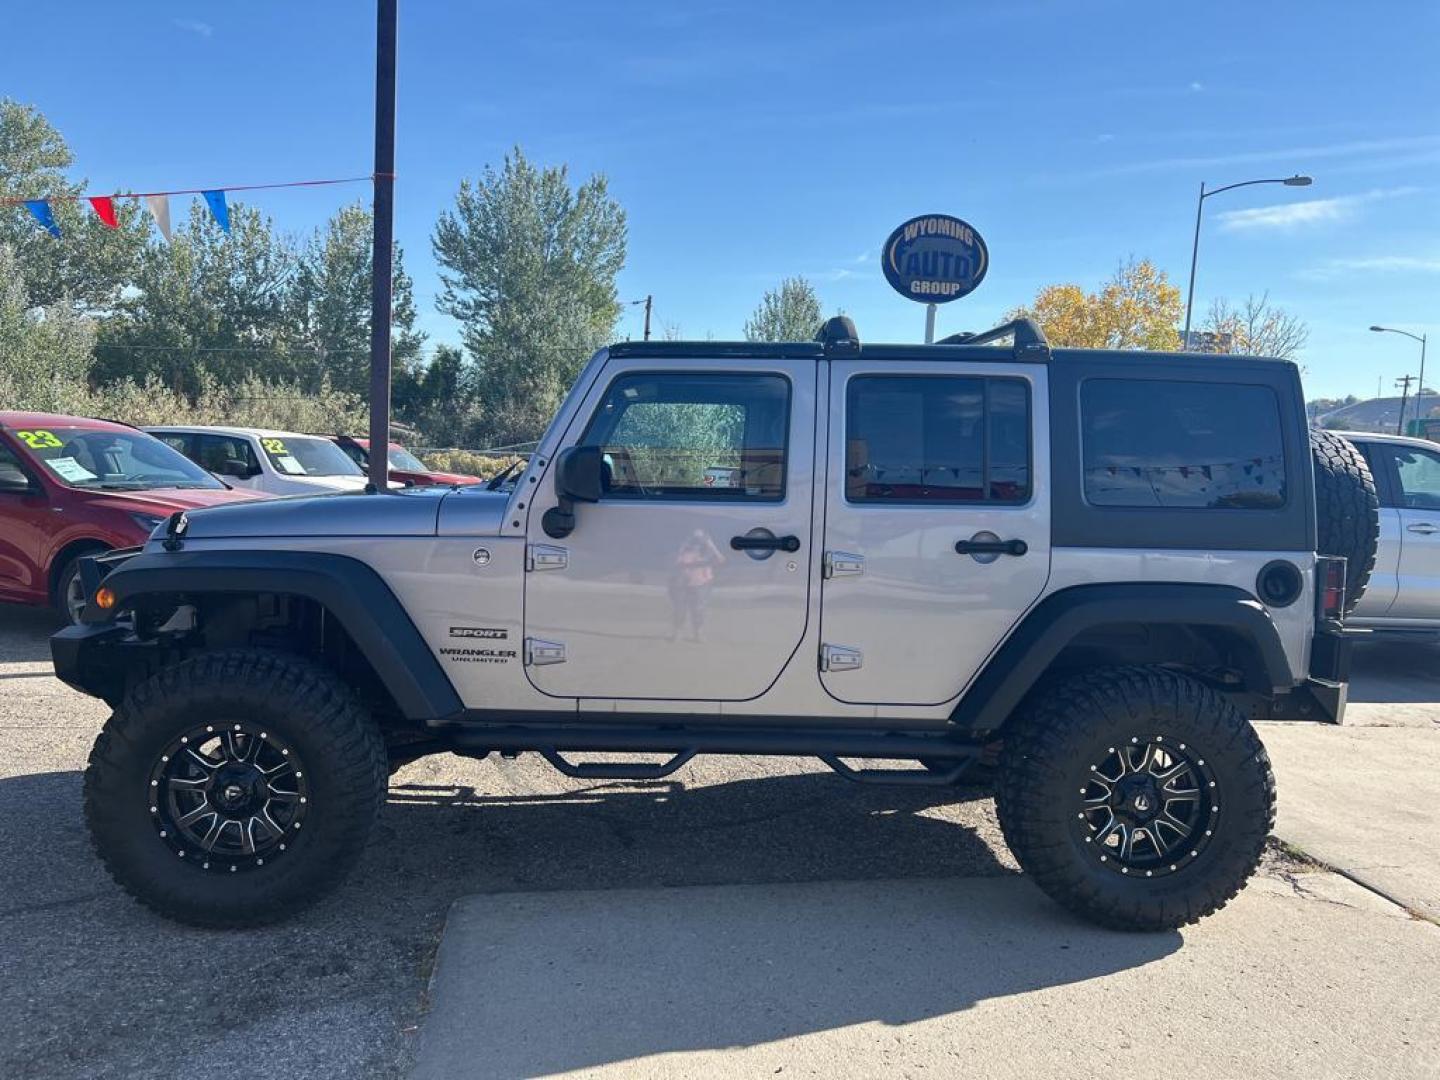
[{"x": 39, "y": 440}]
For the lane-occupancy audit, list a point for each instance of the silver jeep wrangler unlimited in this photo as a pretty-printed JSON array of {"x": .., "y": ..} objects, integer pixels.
[{"x": 1087, "y": 570}]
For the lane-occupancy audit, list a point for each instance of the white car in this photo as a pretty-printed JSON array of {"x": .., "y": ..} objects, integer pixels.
[
  {"x": 269, "y": 462},
  {"x": 1404, "y": 592}
]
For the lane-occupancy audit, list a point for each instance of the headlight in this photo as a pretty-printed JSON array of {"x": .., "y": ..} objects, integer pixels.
[{"x": 148, "y": 522}]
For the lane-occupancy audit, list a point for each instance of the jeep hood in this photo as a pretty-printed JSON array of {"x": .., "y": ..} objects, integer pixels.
[{"x": 409, "y": 512}]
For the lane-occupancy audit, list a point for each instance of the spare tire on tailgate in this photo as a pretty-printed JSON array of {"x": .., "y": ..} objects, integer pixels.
[{"x": 1347, "y": 509}]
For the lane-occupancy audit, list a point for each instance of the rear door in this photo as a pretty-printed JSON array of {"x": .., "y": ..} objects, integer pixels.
[
  {"x": 923, "y": 457},
  {"x": 1385, "y": 578},
  {"x": 648, "y": 597}
]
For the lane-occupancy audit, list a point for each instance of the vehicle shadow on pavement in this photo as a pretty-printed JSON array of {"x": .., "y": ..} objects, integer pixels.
[
  {"x": 25, "y": 633},
  {"x": 93, "y": 983},
  {"x": 1396, "y": 673}
]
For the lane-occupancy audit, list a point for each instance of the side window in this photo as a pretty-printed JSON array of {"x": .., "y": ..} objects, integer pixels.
[
  {"x": 937, "y": 438},
  {"x": 355, "y": 454},
  {"x": 1419, "y": 477},
  {"x": 1181, "y": 445},
  {"x": 702, "y": 436},
  {"x": 178, "y": 441},
  {"x": 212, "y": 452},
  {"x": 1380, "y": 465}
]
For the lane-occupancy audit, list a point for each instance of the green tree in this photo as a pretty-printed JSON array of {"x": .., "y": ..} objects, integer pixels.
[
  {"x": 206, "y": 301},
  {"x": 1137, "y": 308},
  {"x": 329, "y": 305},
  {"x": 789, "y": 313},
  {"x": 89, "y": 264},
  {"x": 44, "y": 352},
  {"x": 528, "y": 265}
]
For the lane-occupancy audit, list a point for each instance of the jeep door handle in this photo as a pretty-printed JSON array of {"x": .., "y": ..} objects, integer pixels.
[
  {"x": 991, "y": 547},
  {"x": 1423, "y": 527},
  {"x": 765, "y": 543}
]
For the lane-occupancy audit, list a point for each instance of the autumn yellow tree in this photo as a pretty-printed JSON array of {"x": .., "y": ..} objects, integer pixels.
[{"x": 1137, "y": 308}]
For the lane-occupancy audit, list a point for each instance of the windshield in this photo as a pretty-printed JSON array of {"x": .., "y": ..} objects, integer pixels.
[
  {"x": 400, "y": 458},
  {"x": 112, "y": 460},
  {"x": 296, "y": 456}
]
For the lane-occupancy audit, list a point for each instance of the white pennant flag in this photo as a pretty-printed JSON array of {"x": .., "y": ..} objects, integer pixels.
[{"x": 160, "y": 210}]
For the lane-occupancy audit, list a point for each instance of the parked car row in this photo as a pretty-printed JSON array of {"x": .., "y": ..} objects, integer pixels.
[{"x": 71, "y": 487}]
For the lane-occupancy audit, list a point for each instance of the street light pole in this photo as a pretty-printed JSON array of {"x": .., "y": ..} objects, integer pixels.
[
  {"x": 1420, "y": 382},
  {"x": 384, "y": 244},
  {"x": 1289, "y": 181}
]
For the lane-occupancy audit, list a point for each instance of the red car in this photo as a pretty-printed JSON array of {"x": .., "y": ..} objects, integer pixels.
[
  {"x": 71, "y": 487},
  {"x": 404, "y": 466}
]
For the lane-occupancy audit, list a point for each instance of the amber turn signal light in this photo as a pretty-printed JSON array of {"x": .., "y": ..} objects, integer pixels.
[{"x": 104, "y": 598}]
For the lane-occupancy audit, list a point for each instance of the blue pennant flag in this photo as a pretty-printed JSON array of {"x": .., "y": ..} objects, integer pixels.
[
  {"x": 40, "y": 211},
  {"x": 216, "y": 199}
]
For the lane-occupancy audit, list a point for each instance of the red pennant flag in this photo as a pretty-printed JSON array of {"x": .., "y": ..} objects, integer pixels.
[{"x": 105, "y": 210}]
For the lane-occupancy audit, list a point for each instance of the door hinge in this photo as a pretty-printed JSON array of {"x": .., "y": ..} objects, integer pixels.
[
  {"x": 546, "y": 557},
  {"x": 539, "y": 652},
  {"x": 840, "y": 658},
  {"x": 843, "y": 564}
]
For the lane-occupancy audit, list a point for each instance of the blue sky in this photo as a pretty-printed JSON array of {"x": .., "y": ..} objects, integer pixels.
[{"x": 752, "y": 141}]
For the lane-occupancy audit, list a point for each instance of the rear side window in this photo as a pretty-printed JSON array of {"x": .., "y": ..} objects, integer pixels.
[
  {"x": 937, "y": 439},
  {"x": 1192, "y": 445}
]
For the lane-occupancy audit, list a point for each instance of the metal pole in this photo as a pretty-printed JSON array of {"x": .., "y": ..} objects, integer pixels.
[
  {"x": 1420, "y": 413},
  {"x": 1194, "y": 255},
  {"x": 647, "y": 317},
  {"x": 384, "y": 244},
  {"x": 1404, "y": 383},
  {"x": 930, "y": 323}
]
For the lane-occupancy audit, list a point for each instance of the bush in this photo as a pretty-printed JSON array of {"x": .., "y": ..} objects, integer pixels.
[{"x": 464, "y": 461}]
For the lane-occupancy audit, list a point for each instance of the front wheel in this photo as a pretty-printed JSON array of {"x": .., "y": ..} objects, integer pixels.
[
  {"x": 1138, "y": 798},
  {"x": 235, "y": 788}
]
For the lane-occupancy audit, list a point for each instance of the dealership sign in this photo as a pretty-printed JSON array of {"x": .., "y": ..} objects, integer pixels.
[{"x": 934, "y": 259}]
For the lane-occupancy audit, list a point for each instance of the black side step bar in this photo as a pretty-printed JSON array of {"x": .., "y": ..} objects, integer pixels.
[{"x": 683, "y": 743}]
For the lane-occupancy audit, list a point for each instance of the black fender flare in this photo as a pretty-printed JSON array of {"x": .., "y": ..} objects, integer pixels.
[
  {"x": 349, "y": 590},
  {"x": 1060, "y": 618}
]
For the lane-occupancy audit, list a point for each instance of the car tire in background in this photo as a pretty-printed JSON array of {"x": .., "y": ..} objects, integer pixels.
[
  {"x": 1347, "y": 509},
  {"x": 69, "y": 595}
]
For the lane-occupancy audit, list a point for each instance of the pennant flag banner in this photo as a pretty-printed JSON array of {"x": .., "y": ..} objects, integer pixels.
[
  {"x": 40, "y": 211},
  {"x": 216, "y": 201},
  {"x": 160, "y": 210},
  {"x": 105, "y": 210},
  {"x": 158, "y": 203}
]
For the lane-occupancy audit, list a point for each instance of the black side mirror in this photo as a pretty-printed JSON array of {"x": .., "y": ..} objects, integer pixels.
[
  {"x": 12, "y": 484},
  {"x": 579, "y": 473}
]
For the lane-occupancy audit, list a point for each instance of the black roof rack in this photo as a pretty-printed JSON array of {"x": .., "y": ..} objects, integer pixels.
[
  {"x": 1030, "y": 341},
  {"x": 838, "y": 337}
]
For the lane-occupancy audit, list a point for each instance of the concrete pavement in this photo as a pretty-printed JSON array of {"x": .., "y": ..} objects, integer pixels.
[{"x": 1305, "y": 974}]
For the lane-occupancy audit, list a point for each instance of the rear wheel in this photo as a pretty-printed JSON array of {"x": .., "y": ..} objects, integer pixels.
[
  {"x": 1136, "y": 797},
  {"x": 235, "y": 788}
]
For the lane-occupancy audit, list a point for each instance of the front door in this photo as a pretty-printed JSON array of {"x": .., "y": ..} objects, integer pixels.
[
  {"x": 1415, "y": 479},
  {"x": 920, "y": 462},
  {"x": 687, "y": 580}
]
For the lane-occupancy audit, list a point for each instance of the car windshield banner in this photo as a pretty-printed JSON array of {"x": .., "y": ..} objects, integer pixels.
[{"x": 935, "y": 259}]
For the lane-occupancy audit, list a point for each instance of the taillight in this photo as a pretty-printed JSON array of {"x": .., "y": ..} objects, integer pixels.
[{"x": 1331, "y": 572}]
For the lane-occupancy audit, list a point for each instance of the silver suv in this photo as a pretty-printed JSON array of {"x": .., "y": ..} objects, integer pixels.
[
  {"x": 1404, "y": 592},
  {"x": 1096, "y": 565}
]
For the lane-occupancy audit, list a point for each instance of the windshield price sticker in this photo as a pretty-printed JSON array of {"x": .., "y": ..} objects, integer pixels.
[
  {"x": 67, "y": 468},
  {"x": 934, "y": 259}
]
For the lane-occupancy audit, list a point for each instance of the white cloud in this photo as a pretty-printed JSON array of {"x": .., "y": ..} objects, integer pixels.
[
  {"x": 1373, "y": 264},
  {"x": 1196, "y": 87},
  {"x": 1374, "y": 152},
  {"x": 1292, "y": 215},
  {"x": 194, "y": 26}
]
